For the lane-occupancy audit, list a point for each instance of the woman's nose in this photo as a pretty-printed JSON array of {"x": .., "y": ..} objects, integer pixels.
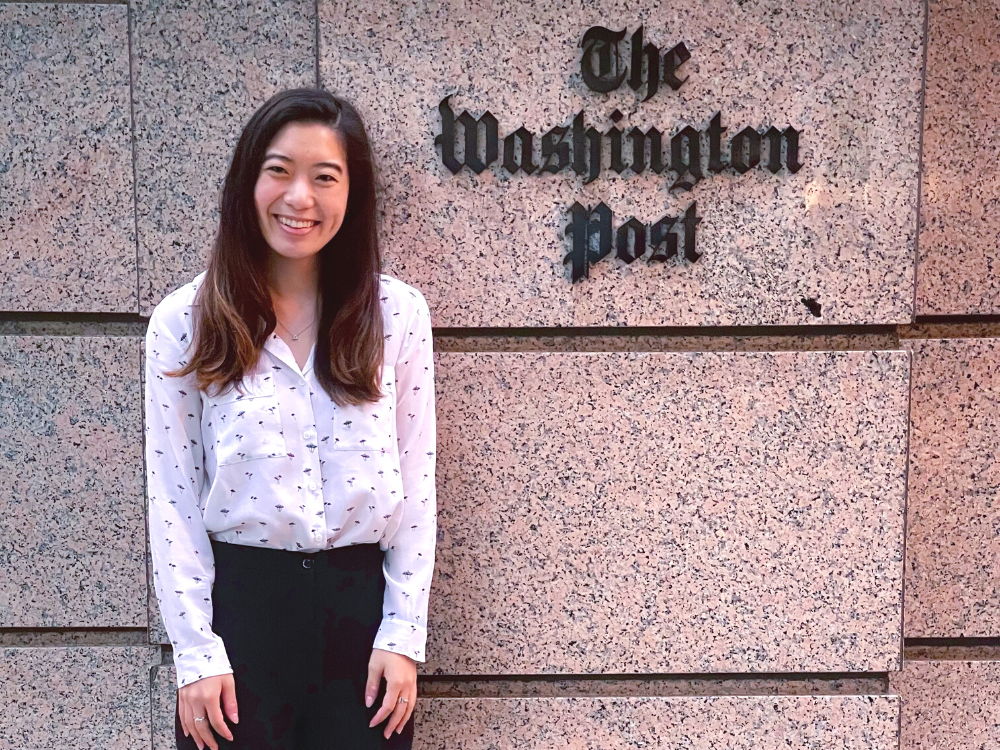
[{"x": 299, "y": 194}]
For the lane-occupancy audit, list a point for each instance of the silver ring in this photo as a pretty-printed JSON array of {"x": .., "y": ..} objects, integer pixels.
[
  {"x": 402, "y": 700},
  {"x": 199, "y": 718}
]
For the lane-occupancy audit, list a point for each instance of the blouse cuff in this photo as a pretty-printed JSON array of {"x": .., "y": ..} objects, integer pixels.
[
  {"x": 402, "y": 637},
  {"x": 195, "y": 664}
]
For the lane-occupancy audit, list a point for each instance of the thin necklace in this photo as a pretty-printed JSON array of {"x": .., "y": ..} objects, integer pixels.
[{"x": 295, "y": 336}]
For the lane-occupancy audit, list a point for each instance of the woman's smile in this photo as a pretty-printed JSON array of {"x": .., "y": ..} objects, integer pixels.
[{"x": 296, "y": 226}]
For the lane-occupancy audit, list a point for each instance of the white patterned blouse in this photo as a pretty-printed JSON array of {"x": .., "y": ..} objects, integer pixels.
[{"x": 284, "y": 467}]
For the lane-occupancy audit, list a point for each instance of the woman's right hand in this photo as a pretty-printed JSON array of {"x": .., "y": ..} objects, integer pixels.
[{"x": 202, "y": 698}]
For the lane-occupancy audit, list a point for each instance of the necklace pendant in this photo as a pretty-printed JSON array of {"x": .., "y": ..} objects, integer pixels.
[{"x": 295, "y": 338}]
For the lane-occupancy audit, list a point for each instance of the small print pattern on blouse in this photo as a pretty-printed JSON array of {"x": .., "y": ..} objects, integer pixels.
[{"x": 277, "y": 463}]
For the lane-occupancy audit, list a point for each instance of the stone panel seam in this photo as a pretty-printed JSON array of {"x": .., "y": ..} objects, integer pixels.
[
  {"x": 956, "y": 319},
  {"x": 21, "y": 637},
  {"x": 721, "y": 684},
  {"x": 672, "y": 331},
  {"x": 666, "y": 676},
  {"x": 964, "y": 642}
]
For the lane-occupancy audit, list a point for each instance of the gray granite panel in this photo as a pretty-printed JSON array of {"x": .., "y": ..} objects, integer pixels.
[
  {"x": 949, "y": 705},
  {"x": 67, "y": 241},
  {"x": 76, "y": 698},
  {"x": 71, "y": 468},
  {"x": 669, "y": 512},
  {"x": 200, "y": 70},
  {"x": 488, "y": 249}
]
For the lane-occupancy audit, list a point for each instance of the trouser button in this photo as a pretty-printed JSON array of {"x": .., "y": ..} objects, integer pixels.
[{"x": 307, "y": 563}]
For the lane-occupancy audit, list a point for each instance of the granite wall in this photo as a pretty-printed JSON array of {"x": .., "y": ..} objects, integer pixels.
[{"x": 735, "y": 488}]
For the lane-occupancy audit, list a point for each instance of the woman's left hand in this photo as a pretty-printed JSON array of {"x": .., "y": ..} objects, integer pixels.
[{"x": 401, "y": 682}]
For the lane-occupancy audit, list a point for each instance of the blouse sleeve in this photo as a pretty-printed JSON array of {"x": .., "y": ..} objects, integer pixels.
[
  {"x": 409, "y": 557},
  {"x": 182, "y": 559}
]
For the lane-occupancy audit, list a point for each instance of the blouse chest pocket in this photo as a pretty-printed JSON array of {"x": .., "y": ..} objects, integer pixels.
[
  {"x": 246, "y": 426},
  {"x": 368, "y": 426}
]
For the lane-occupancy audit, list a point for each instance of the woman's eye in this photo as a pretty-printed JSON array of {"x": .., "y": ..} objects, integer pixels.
[
  {"x": 276, "y": 167},
  {"x": 330, "y": 177}
]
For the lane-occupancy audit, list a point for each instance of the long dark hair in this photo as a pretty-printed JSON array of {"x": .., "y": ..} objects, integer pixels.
[{"x": 234, "y": 315}]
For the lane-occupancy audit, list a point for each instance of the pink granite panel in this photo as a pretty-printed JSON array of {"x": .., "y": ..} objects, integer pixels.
[
  {"x": 669, "y": 512},
  {"x": 949, "y": 705},
  {"x": 661, "y": 343},
  {"x": 610, "y": 722},
  {"x": 953, "y": 530},
  {"x": 76, "y": 698},
  {"x": 856, "y": 722},
  {"x": 960, "y": 199},
  {"x": 644, "y": 686},
  {"x": 488, "y": 249},
  {"x": 67, "y": 219},
  {"x": 200, "y": 69},
  {"x": 72, "y": 544},
  {"x": 163, "y": 699}
]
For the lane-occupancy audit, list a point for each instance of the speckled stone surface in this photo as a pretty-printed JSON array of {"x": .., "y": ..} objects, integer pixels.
[
  {"x": 642, "y": 686},
  {"x": 669, "y": 512},
  {"x": 72, "y": 548},
  {"x": 949, "y": 705},
  {"x": 653, "y": 343},
  {"x": 709, "y": 722},
  {"x": 487, "y": 250},
  {"x": 67, "y": 241},
  {"x": 951, "y": 653},
  {"x": 949, "y": 331},
  {"x": 76, "y": 698},
  {"x": 200, "y": 70},
  {"x": 21, "y": 637},
  {"x": 163, "y": 700},
  {"x": 691, "y": 723},
  {"x": 953, "y": 530},
  {"x": 960, "y": 227}
]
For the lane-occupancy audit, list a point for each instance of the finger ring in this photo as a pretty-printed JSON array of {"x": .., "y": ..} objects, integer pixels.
[
  {"x": 402, "y": 700},
  {"x": 199, "y": 718}
]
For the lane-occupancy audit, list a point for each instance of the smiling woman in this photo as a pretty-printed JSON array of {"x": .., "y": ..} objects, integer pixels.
[
  {"x": 302, "y": 189},
  {"x": 292, "y": 513}
]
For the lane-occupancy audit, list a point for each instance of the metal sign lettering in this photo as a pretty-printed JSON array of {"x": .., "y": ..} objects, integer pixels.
[{"x": 687, "y": 155}]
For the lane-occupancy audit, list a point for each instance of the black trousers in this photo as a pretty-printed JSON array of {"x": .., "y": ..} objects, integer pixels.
[{"x": 298, "y": 629}]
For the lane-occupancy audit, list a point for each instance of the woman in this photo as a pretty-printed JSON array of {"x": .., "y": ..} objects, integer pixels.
[{"x": 290, "y": 447}]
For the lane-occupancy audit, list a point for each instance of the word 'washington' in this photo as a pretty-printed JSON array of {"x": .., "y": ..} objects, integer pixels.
[{"x": 581, "y": 148}]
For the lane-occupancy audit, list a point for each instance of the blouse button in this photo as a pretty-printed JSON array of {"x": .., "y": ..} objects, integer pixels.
[{"x": 308, "y": 434}]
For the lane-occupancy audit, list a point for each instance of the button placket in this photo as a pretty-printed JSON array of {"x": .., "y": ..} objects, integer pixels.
[{"x": 314, "y": 483}]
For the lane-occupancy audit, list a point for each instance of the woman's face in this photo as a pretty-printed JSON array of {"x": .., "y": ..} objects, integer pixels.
[{"x": 301, "y": 191}]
